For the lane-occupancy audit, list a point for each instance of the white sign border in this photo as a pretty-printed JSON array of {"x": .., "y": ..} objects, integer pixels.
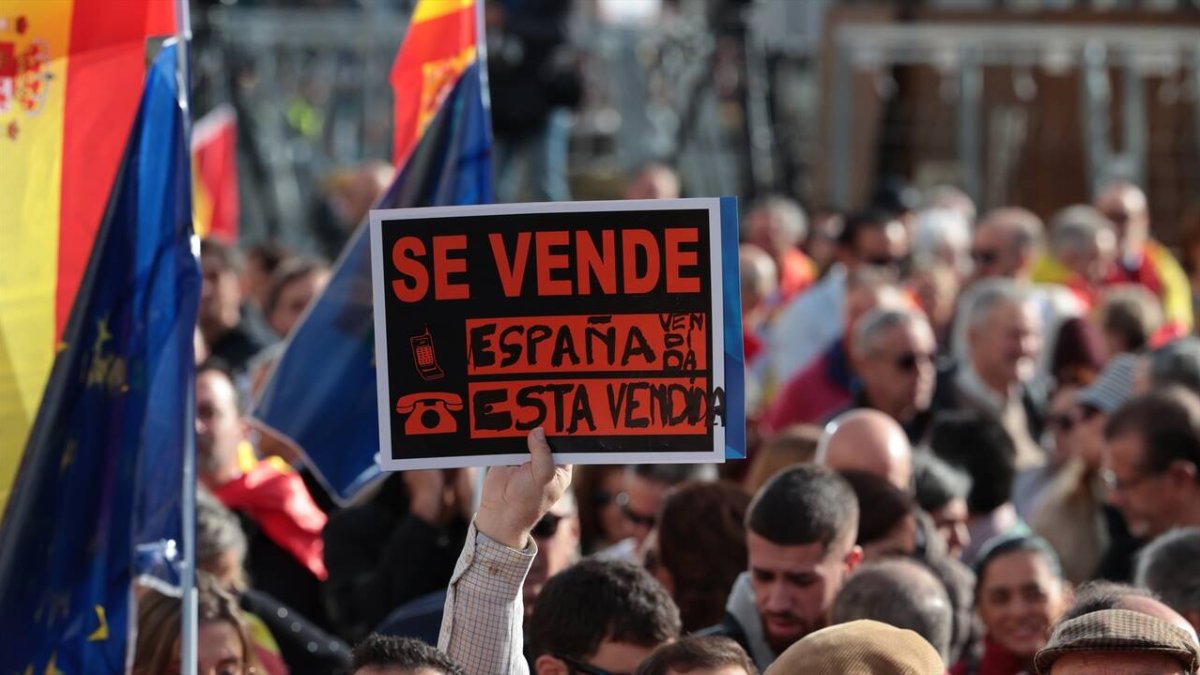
[{"x": 716, "y": 357}]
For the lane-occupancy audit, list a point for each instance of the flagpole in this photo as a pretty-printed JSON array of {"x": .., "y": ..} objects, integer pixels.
[{"x": 188, "y": 638}]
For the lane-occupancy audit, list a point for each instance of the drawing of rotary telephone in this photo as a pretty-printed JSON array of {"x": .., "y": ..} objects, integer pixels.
[{"x": 429, "y": 413}]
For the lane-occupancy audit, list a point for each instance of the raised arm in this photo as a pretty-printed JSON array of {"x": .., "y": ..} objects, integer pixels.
[{"x": 481, "y": 625}]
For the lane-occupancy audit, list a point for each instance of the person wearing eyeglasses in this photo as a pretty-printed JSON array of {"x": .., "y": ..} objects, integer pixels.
[
  {"x": 893, "y": 352},
  {"x": 814, "y": 320},
  {"x": 1152, "y": 464},
  {"x": 826, "y": 384},
  {"x": 1006, "y": 245},
  {"x": 1143, "y": 260},
  {"x": 1069, "y": 511},
  {"x": 557, "y": 539},
  {"x": 646, "y": 488}
]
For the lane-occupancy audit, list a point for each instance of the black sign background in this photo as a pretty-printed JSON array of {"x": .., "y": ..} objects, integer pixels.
[{"x": 445, "y": 321}]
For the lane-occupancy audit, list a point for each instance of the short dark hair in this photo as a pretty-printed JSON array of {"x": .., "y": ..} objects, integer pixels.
[
  {"x": 384, "y": 651},
  {"x": 979, "y": 445},
  {"x": 597, "y": 600},
  {"x": 217, "y": 364},
  {"x": 805, "y": 504},
  {"x": 694, "y": 652},
  {"x": 881, "y": 505},
  {"x": 860, "y": 222},
  {"x": 1095, "y": 596},
  {"x": 938, "y": 482},
  {"x": 901, "y": 593},
  {"x": 228, "y": 258},
  {"x": 1020, "y": 543},
  {"x": 1168, "y": 424}
]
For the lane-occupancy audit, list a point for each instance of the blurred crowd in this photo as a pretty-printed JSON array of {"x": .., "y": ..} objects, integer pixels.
[{"x": 974, "y": 447}]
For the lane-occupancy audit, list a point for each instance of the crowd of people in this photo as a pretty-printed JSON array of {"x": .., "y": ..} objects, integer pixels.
[{"x": 974, "y": 448}]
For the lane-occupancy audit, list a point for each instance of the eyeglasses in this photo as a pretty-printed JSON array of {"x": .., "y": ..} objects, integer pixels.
[
  {"x": 909, "y": 361},
  {"x": 1117, "y": 485},
  {"x": 633, "y": 516},
  {"x": 546, "y": 527},
  {"x": 585, "y": 669},
  {"x": 985, "y": 256}
]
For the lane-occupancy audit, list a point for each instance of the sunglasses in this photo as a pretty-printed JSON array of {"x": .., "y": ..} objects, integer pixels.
[
  {"x": 546, "y": 527},
  {"x": 985, "y": 256},
  {"x": 585, "y": 669},
  {"x": 909, "y": 361}
]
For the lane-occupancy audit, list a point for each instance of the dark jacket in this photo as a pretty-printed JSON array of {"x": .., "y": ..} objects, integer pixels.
[
  {"x": 947, "y": 397},
  {"x": 380, "y": 556},
  {"x": 305, "y": 648}
]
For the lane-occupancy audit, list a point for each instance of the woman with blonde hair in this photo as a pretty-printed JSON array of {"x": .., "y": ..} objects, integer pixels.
[{"x": 223, "y": 645}]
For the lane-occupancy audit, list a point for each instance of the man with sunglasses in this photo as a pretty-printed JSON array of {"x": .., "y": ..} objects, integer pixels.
[
  {"x": 893, "y": 354},
  {"x": 1152, "y": 462},
  {"x": 1143, "y": 260},
  {"x": 557, "y": 539}
]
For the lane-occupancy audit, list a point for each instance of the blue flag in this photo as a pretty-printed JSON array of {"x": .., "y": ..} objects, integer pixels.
[
  {"x": 322, "y": 394},
  {"x": 96, "y": 503}
]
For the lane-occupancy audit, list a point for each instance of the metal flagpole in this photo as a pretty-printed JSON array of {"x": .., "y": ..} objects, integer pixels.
[{"x": 188, "y": 636}]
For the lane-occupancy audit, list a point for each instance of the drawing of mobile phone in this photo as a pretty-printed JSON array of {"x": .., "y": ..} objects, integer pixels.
[{"x": 425, "y": 357}]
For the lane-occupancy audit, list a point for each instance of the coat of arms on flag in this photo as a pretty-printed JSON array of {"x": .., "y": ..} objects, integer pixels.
[{"x": 24, "y": 75}]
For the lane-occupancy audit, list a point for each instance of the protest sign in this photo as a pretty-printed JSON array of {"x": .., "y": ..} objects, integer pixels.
[{"x": 606, "y": 323}]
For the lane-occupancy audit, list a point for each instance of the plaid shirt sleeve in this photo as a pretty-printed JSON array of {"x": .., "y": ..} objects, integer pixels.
[{"x": 481, "y": 624}]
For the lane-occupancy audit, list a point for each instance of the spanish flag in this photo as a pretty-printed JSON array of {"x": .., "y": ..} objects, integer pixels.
[
  {"x": 214, "y": 175},
  {"x": 320, "y": 398},
  {"x": 71, "y": 75}
]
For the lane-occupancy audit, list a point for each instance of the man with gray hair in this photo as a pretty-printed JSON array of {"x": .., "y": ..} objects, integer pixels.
[
  {"x": 1168, "y": 568},
  {"x": 1083, "y": 240},
  {"x": 901, "y": 593},
  {"x": 1004, "y": 335},
  {"x": 1006, "y": 244},
  {"x": 893, "y": 352}
]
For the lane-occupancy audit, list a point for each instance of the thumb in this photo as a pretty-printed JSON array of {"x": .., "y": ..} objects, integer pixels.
[{"x": 541, "y": 457}]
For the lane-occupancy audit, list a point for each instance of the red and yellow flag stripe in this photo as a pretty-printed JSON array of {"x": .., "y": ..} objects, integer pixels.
[
  {"x": 439, "y": 47},
  {"x": 71, "y": 74}
]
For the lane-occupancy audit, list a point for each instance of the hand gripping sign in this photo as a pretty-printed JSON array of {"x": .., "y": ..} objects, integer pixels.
[{"x": 613, "y": 325}]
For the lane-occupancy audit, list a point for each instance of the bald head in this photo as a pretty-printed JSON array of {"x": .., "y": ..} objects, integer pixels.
[
  {"x": 870, "y": 441},
  {"x": 1125, "y": 205}
]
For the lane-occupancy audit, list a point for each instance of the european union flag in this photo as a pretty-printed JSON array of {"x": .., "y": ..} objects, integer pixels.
[
  {"x": 97, "y": 499},
  {"x": 322, "y": 393}
]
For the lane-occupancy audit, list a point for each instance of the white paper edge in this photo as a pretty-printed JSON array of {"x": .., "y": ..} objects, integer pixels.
[{"x": 716, "y": 357}]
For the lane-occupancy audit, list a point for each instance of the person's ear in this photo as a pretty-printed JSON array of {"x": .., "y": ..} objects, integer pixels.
[
  {"x": 548, "y": 665},
  {"x": 1183, "y": 472},
  {"x": 853, "y": 559}
]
